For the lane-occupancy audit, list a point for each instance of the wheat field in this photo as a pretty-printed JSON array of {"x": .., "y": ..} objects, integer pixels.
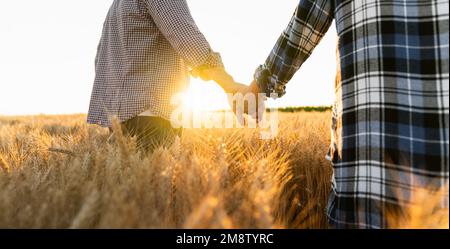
[{"x": 58, "y": 172}]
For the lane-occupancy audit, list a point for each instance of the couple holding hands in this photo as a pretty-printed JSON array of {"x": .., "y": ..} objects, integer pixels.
[{"x": 390, "y": 119}]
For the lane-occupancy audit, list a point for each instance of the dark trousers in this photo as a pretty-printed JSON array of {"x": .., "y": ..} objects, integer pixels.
[{"x": 150, "y": 132}]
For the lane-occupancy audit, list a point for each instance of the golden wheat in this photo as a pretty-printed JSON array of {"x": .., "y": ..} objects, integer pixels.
[{"x": 58, "y": 172}]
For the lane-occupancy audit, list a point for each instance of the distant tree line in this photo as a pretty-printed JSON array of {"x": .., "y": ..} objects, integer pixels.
[{"x": 304, "y": 109}]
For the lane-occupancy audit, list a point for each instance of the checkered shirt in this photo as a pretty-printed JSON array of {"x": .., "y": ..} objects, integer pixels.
[
  {"x": 390, "y": 133},
  {"x": 143, "y": 59}
]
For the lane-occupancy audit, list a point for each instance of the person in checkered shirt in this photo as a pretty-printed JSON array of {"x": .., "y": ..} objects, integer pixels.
[
  {"x": 143, "y": 60},
  {"x": 390, "y": 133}
]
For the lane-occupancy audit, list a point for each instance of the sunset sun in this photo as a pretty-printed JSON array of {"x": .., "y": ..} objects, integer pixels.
[{"x": 204, "y": 96}]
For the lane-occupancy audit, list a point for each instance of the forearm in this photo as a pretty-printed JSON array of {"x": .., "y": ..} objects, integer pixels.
[
  {"x": 217, "y": 74},
  {"x": 309, "y": 24}
]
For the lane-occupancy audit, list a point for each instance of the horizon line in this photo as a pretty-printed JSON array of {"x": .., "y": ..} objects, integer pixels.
[{"x": 281, "y": 109}]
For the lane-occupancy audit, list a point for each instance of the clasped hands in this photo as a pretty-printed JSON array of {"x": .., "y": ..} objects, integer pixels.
[{"x": 230, "y": 86}]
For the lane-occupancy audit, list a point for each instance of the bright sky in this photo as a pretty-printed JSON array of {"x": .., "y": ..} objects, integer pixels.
[{"x": 47, "y": 51}]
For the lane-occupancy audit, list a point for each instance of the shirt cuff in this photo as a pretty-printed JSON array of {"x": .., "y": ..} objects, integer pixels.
[
  {"x": 268, "y": 83},
  {"x": 214, "y": 60}
]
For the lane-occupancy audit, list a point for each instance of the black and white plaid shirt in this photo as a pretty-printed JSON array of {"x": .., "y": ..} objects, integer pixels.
[
  {"x": 143, "y": 58},
  {"x": 391, "y": 118}
]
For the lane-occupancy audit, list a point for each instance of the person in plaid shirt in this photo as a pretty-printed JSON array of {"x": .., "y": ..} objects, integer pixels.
[
  {"x": 390, "y": 133},
  {"x": 143, "y": 60}
]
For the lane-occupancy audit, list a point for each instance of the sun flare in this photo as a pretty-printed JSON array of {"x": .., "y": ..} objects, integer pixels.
[{"x": 204, "y": 97}]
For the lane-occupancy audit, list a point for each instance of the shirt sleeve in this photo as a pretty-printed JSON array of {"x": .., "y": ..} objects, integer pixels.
[
  {"x": 175, "y": 22},
  {"x": 307, "y": 27}
]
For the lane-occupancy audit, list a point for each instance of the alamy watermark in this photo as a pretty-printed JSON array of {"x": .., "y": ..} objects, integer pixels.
[{"x": 248, "y": 111}]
